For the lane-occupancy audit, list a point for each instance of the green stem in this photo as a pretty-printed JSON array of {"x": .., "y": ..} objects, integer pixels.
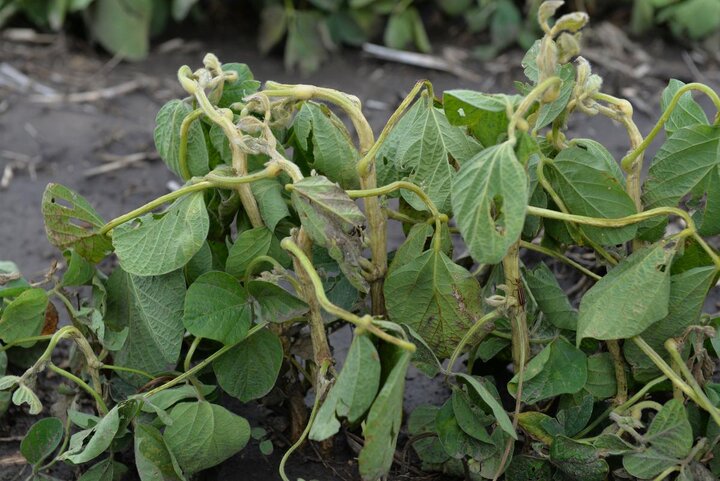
[
  {"x": 191, "y": 353},
  {"x": 528, "y": 102},
  {"x": 182, "y": 150},
  {"x": 101, "y": 406},
  {"x": 666, "y": 473},
  {"x": 469, "y": 335},
  {"x": 130, "y": 370},
  {"x": 365, "y": 322},
  {"x": 25, "y": 340},
  {"x": 560, "y": 257},
  {"x": 261, "y": 260}
]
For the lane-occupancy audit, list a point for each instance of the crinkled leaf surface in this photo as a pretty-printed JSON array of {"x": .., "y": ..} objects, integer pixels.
[
  {"x": 237, "y": 90},
  {"x": 216, "y": 307},
  {"x": 203, "y": 435},
  {"x": 90, "y": 443},
  {"x": 489, "y": 198},
  {"x": 551, "y": 298},
  {"x": 638, "y": 288},
  {"x": 71, "y": 222},
  {"x": 151, "y": 308},
  {"x": 560, "y": 368},
  {"x": 578, "y": 460},
  {"x": 167, "y": 139},
  {"x": 334, "y": 221},
  {"x": 249, "y": 370},
  {"x": 24, "y": 316},
  {"x": 156, "y": 244},
  {"x": 439, "y": 299},
  {"x": 601, "y": 381}
]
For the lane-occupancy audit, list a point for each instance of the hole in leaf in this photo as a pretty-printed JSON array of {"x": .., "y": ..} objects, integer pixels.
[
  {"x": 661, "y": 267},
  {"x": 498, "y": 214},
  {"x": 61, "y": 202}
]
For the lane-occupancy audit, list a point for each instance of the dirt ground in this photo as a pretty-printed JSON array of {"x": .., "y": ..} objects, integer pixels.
[{"x": 62, "y": 141}]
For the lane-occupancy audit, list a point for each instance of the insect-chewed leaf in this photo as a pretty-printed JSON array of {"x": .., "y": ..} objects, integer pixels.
[
  {"x": 237, "y": 90},
  {"x": 167, "y": 139},
  {"x": 156, "y": 244},
  {"x": 249, "y": 370},
  {"x": 334, "y": 221},
  {"x": 90, "y": 443},
  {"x": 436, "y": 297},
  {"x": 153, "y": 458},
  {"x": 687, "y": 112},
  {"x": 354, "y": 391},
  {"x": 560, "y": 368},
  {"x": 638, "y": 288},
  {"x": 669, "y": 438},
  {"x": 589, "y": 182},
  {"x": 687, "y": 163},
  {"x": 327, "y": 144},
  {"x": 71, "y": 222},
  {"x": 203, "y": 435},
  {"x": 217, "y": 307},
  {"x": 152, "y": 310},
  {"x": 578, "y": 460},
  {"x": 489, "y": 198},
  {"x": 42, "y": 439},
  {"x": 551, "y": 298},
  {"x": 383, "y": 423},
  {"x": 24, "y": 316}
]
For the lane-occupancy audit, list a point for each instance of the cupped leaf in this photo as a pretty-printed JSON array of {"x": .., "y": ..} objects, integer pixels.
[
  {"x": 456, "y": 442},
  {"x": 560, "y": 368},
  {"x": 156, "y": 244},
  {"x": 334, "y": 221},
  {"x": 687, "y": 111},
  {"x": 237, "y": 90},
  {"x": 42, "y": 439},
  {"x": 216, "y": 307},
  {"x": 467, "y": 107},
  {"x": 22, "y": 395},
  {"x": 79, "y": 271},
  {"x": 90, "y": 443},
  {"x": 586, "y": 178},
  {"x": 489, "y": 198},
  {"x": 327, "y": 144},
  {"x": 637, "y": 289},
  {"x": 549, "y": 112},
  {"x": 24, "y": 316},
  {"x": 203, "y": 435},
  {"x": 153, "y": 458},
  {"x": 439, "y": 299},
  {"x": 273, "y": 303},
  {"x": 551, "y": 298},
  {"x": 470, "y": 417},
  {"x": 71, "y": 222},
  {"x": 167, "y": 139},
  {"x": 353, "y": 392},
  {"x": 249, "y": 370},
  {"x": 151, "y": 309}
]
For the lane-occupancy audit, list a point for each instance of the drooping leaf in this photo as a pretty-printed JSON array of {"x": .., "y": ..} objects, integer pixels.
[
  {"x": 71, "y": 222},
  {"x": 151, "y": 309},
  {"x": 156, "y": 244},
  {"x": 551, "y": 298},
  {"x": 216, "y": 307},
  {"x": 638, "y": 288},
  {"x": 578, "y": 460},
  {"x": 538, "y": 425},
  {"x": 167, "y": 139},
  {"x": 153, "y": 458},
  {"x": 42, "y": 439},
  {"x": 327, "y": 143},
  {"x": 439, "y": 299},
  {"x": 273, "y": 303},
  {"x": 687, "y": 111},
  {"x": 273, "y": 209},
  {"x": 334, "y": 221},
  {"x": 501, "y": 416},
  {"x": 169, "y": 397},
  {"x": 489, "y": 198},
  {"x": 560, "y": 368},
  {"x": 273, "y": 25},
  {"x": 249, "y": 370},
  {"x": 90, "y": 443},
  {"x": 203, "y": 435},
  {"x": 304, "y": 46},
  {"x": 470, "y": 417},
  {"x": 79, "y": 271},
  {"x": 24, "y": 316},
  {"x": 353, "y": 392},
  {"x": 123, "y": 28}
]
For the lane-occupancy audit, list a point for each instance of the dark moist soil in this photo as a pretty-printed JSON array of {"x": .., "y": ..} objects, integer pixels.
[{"x": 60, "y": 142}]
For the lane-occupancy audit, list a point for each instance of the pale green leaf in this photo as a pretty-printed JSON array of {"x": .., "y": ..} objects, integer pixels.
[
  {"x": 12, "y": 283},
  {"x": 549, "y": 112},
  {"x": 24, "y": 316},
  {"x": 123, "y": 28},
  {"x": 167, "y": 139},
  {"x": 687, "y": 111},
  {"x": 237, "y": 90},
  {"x": 105, "y": 470},
  {"x": 88, "y": 444}
]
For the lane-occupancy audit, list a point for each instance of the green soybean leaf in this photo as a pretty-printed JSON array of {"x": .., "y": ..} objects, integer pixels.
[
  {"x": 79, "y": 271},
  {"x": 489, "y": 198},
  {"x": 12, "y": 283},
  {"x": 169, "y": 397},
  {"x": 578, "y": 460},
  {"x": 638, "y": 288},
  {"x": 422, "y": 421},
  {"x": 328, "y": 146},
  {"x": 353, "y": 392},
  {"x": 203, "y": 435},
  {"x": 687, "y": 296},
  {"x": 237, "y": 90},
  {"x": 24, "y": 316},
  {"x": 105, "y": 470},
  {"x": 90, "y": 443},
  {"x": 268, "y": 193},
  {"x": 167, "y": 139},
  {"x": 383, "y": 422},
  {"x": 470, "y": 417},
  {"x": 153, "y": 458},
  {"x": 151, "y": 309},
  {"x": 560, "y": 368},
  {"x": 601, "y": 376},
  {"x": 248, "y": 245},
  {"x": 200, "y": 263},
  {"x": 71, "y": 222},
  {"x": 670, "y": 440},
  {"x": 687, "y": 163},
  {"x": 22, "y": 395},
  {"x": 456, "y": 442},
  {"x": 216, "y": 307},
  {"x": 551, "y": 298},
  {"x": 42, "y": 439},
  {"x": 529, "y": 62},
  {"x": 527, "y": 468},
  {"x": 334, "y": 221},
  {"x": 305, "y": 45},
  {"x": 273, "y": 25},
  {"x": 437, "y": 298},
  {"x": 468, "y": 107},
  {"x": 249, "y": 370},
  {"x": 574, "y": 412},
  {"x": 143, "y": 245},
  {"x": 501, "y": 416},
  {"x": 273, "y": 303},
  {"x": 123, "y": 28},
  {"x": 412, "y": 247},
  {"x": 586, "y": 180},
  {"x": 549, "y": 112},
  {"x": 687, "y": 112},
  {"x": 539, "y": 426}
]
